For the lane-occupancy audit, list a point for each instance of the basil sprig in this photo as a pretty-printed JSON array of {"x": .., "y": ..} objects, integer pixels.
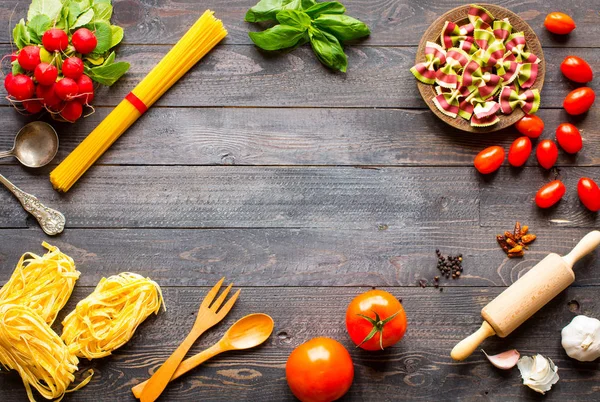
[{"x": 324, "y": 25}]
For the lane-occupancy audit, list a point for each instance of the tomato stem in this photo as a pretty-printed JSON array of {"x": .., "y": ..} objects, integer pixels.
[{"x": 378, "y": 325}]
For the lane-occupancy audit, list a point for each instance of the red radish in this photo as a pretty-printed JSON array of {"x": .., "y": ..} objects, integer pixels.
[
  {"x": 72, "y": 67},
  {"x": 66, "y": 89},
  {"x": 86, "y": 90},
  {"x": 72, "y": 111},
  {"x": 48, "y": 95},
  {"x": 13, "y": 57},
  {"x": 8, "y": 82},
  {"x": 45, "y": 73},
  {"x": 32, "y": 106},
  {"x": 29, "y": 57},
  {"x": 21, "y": 87},
  {"x": 55, "y": 40},
  {"x": 84, "y": 41}
]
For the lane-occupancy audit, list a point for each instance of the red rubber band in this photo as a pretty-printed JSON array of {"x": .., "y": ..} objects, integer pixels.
[{"x": 136, "y": 102}]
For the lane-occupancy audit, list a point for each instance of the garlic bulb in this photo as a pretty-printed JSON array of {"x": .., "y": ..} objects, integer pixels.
[
  {"x": 538, "y": 372},
  {"x": 581, "y": 338}
]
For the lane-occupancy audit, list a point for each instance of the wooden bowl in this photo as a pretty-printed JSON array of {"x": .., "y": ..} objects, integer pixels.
[{"x": 459, "y": 16}]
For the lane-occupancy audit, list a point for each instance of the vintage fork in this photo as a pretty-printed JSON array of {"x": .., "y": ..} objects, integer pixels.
[{"x": 207, "y": 317}]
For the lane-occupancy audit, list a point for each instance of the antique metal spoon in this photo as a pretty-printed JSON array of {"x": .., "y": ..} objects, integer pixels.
[
  {"x": 51, "y": 221},
  {"x": 35, "y": 146}
]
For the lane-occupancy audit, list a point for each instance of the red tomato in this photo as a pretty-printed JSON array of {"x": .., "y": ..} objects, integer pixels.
[
  {"x": 379, "y": 310},
  {"x": 547, "y": 153},
  {"x": 569, "y": 138},
  {"x": 589, "y": 194},
  {"x": 519, "y": 151},
  {"x": 319, "y": 370},
  {"x": 489, "y": 160},
  {"x": 550, "y": 194},
  {"x": 579, "y": 100},
  {"x": 530, "y": 125},
  {"x": 559, "y": 23},
  {"x": 576, "y": 69}
]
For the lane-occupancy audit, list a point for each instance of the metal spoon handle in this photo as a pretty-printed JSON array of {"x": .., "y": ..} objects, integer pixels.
[
  {"x": 6, "y": 154},
  {"x": 51, "y": 221}
]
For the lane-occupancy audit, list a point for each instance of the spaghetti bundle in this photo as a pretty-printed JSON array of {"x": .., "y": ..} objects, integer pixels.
[
  {"x": 109, "y": 316},
  {"x": 197, "y": 41},
  {"x": 43, "y": 284},
  {"x": 29, "y": 346}
]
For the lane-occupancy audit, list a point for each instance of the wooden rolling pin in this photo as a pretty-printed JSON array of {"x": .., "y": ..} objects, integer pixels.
[{"x": 526, "y": 296}]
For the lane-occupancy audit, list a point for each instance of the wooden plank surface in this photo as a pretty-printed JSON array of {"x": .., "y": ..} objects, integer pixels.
[
  {"x": 244, "y": 76},
  {"x": 418, "y": 368},
  {"x": 392, "y": 22},
  {"x": 265, "y": 136}
]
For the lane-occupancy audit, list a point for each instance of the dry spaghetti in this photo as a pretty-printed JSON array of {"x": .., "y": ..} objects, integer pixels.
[
  {"x": 43, "y": 284},
  {"x": 197, "y": 42},
  {"x": 109, "y": 316},
  {"x": 29, "y": 346}
]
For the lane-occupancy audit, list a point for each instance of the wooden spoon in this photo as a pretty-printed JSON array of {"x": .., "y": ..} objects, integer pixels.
[{"x": 248, "y": 332}]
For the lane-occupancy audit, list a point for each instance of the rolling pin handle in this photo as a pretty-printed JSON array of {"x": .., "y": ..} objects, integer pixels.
[
  {"x": 468, "y": 345},
  {"x": 584, "y": 247}
]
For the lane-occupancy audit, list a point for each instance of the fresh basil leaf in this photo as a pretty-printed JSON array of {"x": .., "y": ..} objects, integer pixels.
[
  {"x": 294, "y": 18},
  {"x": 116, "y": 35},
  {"x": 84, "y": 19},
  {"x": 21, "y": 36},
  {"x": 278, "y": 37},
  {"x": 328, "y": 7},
  {"x": 103, "y": 33},
  {"x": 108, "y": 74},
  {"x": 265, "y": 10},
  {"x": 328, "y": 49},
  {"x": 49, "y": 8},
  {"x": 342, "y": 27},
  {"x": 102, "y": 11}
]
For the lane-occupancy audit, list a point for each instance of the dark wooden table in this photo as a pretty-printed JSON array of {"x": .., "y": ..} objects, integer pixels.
[{"x": 305, "y": 188}]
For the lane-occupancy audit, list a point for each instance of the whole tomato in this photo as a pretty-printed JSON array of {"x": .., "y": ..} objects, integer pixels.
[
  {"x": 576, "y": 69},
  {"x": 489, "y": 160},
  {"x": 519, "y": 151},
  {"x": 547, "y": 153},
  {"x": 589, "y": 194},
  {"x": 550, "y": 194},
  {"x": 559, "y": 23},
  {"x": 569, "y": 138},
  {"x": 375, "y": 320},
  {"x": 319, "y": 370},
  {"x": 579, "y": 100},
  {"x": 530, "y": 125}
]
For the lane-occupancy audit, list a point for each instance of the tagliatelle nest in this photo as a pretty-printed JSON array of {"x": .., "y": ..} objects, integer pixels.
[
  {"x": 109, "y": 316},
  {"x": 29, "y": 346},
  {"x": 43, "y": 284}
]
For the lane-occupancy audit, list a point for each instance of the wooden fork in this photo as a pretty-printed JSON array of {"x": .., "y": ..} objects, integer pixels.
[{"x": 207, "y": 317}]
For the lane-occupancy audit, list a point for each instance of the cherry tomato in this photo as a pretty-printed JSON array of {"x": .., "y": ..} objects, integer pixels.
[
  {"x": 550, "y": 194},
  {"x": 375, "y": 310},
  {"x": 576, "y": 69},
  {"x": 530, "y": 125},
  {"x": 319, "y": 370},
  {"x": 569, "y": 138},
  {"x": 579, "y": 100},
  {"x": 489, "y": 160},
  {"x": 547, "y": 153},
  {"x": 519, "y": 151},
  {"x": 589, "y": 194},
  {"x": 559, "y": 23}
]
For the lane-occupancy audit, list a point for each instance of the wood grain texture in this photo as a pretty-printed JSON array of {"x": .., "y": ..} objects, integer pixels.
[
  {"x": 509, "y": 195},
  {"x": 392, "y": 22},
  {"x": 418, "y": 368},
  {"x": 245, "y": 76},
  {"x": 136, "y": 196},
  {"x": 385, "y": 256},
  {"x": 241, "y": 136}
]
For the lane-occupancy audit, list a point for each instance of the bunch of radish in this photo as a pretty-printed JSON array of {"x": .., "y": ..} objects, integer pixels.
[{"x": 52, "y": 75}]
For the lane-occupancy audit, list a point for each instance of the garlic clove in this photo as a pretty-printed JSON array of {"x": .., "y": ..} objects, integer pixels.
[
  {"x": 538, "y": 372},
  {"x": 505, "y": 360}
]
